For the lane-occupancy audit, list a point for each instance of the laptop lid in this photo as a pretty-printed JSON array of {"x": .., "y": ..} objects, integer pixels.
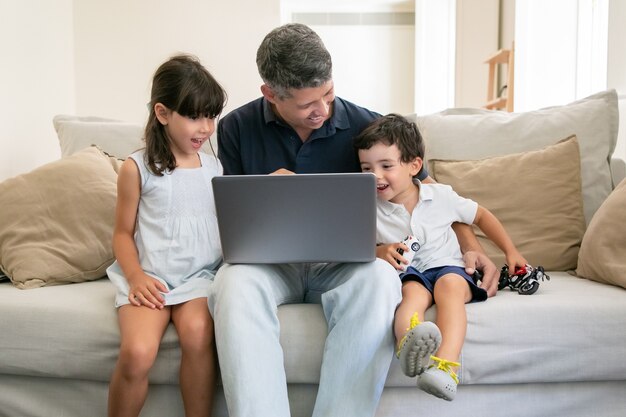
[{"x": 296, "y": 218}]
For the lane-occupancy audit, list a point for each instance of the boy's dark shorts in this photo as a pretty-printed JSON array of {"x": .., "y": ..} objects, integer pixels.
[{"x": 430, "y": 276}]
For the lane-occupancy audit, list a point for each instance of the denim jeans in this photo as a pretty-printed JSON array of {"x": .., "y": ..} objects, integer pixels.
[{"x": 358, "y": 300}]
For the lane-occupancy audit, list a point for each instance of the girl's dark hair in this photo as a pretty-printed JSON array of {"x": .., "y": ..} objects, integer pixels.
[
  {"x": 393, "y": 129},
  {"x": 182, "y": 85}
]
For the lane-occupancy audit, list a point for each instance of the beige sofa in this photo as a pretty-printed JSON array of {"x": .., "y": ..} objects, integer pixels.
[{"x": 555, "y": 353}]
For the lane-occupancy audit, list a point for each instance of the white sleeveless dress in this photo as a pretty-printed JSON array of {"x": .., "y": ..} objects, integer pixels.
[{"x": 176, "y": 233}]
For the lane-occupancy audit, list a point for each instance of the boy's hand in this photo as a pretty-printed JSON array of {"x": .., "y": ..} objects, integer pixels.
[
  {"x": 390, "y": 254},
  {"x": 515, "y": 260},
  {"x": 145, "y": 290}
]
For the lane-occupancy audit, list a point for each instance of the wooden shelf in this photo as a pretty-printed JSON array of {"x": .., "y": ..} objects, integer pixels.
[
  {"x": 501, "y": 57},
  {"x": 495, "y": 104}
]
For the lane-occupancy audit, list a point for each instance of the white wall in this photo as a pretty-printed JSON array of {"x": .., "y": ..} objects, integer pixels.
[
  {"x": 453, "y": 39},
  {"x": 372, "y": 46},
  {"x": 36, "y": 80},
  {"x": 545, "y": 53},
  {"x": 119, "y": 44},
  {"x": 381, "y": 81},
  {"x": 477, "y": 38},
  {"x": 91, "y": 57},
  {"x": 616, "y": 76}
]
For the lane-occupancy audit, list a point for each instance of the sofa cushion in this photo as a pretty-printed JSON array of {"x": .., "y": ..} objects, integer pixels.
[
  {"x": 568, "y": 331},
  {"x": 511, "y": 338},
  {"x": 465, "y": 134},
  {"x": 602, "y": 255},
  {"x": 536, "y": 195},
  {"x": 114, "y": 137},
  {"x": 57, "y": 224},
  {"x": 70, "y": 331}
]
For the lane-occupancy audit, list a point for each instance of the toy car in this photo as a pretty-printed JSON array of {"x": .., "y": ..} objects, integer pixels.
[
  {"x": 525, "y": 280},
  {"x": 413, "y": 245}
]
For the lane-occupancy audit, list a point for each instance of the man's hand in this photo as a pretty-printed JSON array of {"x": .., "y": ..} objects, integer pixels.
[
  {"x": 477, "y": 260},
  {"x": 282, "y": 171}
]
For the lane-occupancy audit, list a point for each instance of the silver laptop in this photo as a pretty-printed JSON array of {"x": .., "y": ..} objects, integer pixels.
[{"x": 296, "y": 218}]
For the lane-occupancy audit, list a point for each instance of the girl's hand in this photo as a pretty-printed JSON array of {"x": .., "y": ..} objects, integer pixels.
[
  {"x": 390, "y": 254},
  {"x": 145, "y": 290}
]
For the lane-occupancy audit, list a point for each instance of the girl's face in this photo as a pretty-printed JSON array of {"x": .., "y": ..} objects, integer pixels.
[
  {"x": 394, "y": 179},
  {"x": 186, "y": 134}
]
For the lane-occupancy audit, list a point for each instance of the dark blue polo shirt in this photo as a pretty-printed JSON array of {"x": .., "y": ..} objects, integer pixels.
[{"x": 252, "y": 140}]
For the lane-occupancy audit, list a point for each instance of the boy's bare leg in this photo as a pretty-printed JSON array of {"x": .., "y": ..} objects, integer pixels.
[
  {"x": 415, "y": 299},
  {"x": 451, "y": 294}
]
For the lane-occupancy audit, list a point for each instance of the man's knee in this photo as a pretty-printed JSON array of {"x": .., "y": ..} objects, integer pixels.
[{"x": 235, "y": 286}]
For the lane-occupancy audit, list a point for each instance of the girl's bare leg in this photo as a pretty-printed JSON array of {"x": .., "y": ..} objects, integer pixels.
[
  {"x": 141, "y": 330},
  {"x": 198, "y": 363}
]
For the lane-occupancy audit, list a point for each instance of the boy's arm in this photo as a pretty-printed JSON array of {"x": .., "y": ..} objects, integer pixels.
[
  {"x": 494, "y": 230},
  {"x": 475, "y": 258},
  {"x": 473, "y": 254}
]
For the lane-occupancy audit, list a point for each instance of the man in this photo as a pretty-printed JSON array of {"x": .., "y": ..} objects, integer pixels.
[{"x": 299, "y": 126}]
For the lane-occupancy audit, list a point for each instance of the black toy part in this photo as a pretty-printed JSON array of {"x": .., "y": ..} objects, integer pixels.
[{"x": 525, "y": 280}]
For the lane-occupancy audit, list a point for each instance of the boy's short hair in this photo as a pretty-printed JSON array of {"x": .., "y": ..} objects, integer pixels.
[{"x": 393, "y": 129}]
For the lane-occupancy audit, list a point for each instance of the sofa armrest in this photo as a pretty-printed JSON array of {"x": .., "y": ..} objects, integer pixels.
[{"x": 618, "y": 170}]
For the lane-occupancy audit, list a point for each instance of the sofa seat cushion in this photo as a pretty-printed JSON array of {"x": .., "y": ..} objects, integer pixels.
[
  {"x": 69, "y": 331},
  {"x": 570, "y": 330}
]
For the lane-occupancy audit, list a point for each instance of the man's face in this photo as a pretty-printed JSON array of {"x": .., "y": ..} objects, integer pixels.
[{"x": 306, "y": 109}]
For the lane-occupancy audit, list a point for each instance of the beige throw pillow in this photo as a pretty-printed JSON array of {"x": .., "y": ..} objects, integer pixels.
[
  {"x": 602, "y": 255},
  {"x": 56, "y": 222},
  {"x": 536, "y": 195}
]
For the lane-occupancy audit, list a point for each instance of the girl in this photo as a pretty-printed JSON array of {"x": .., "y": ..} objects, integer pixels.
[{"x": 166, "y": 240}]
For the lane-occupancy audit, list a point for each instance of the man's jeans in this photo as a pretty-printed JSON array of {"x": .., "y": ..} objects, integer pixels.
[{"x": 359, "y": 301}]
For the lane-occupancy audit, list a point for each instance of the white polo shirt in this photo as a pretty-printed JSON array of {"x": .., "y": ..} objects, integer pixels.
[{"x": 438, "y": 207}]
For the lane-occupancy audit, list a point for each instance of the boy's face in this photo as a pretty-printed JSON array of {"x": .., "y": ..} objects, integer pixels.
[
  {"x": 394, "y": 179},
  {"x": 306, "y": 109}
]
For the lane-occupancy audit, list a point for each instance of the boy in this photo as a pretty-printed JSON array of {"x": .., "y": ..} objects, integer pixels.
[{"x": 392, "y": 148}]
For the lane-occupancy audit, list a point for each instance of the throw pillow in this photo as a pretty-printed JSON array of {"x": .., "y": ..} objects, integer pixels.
[
  {"x": 56, "y": 225},
  {"x": 114, "y": 137},
  {"x": 601, "y": 257},
  {"x": 536, "y": 196},
  {"x": 476, "y": 133}
]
